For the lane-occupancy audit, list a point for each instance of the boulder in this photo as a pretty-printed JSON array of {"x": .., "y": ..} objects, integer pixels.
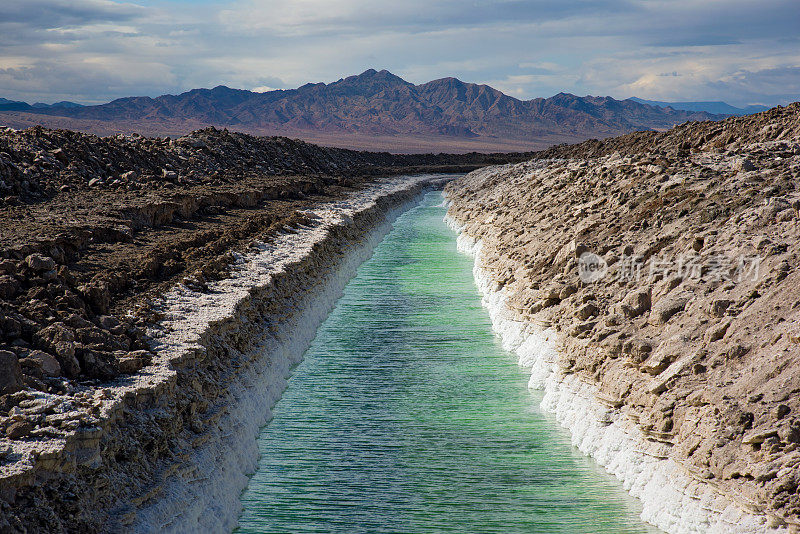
[
  {"x": 719, "y": 306},
  {"x": 578, "y": 248},
  {"x": 637, "y": 349},
  {"x": 18, "y": 430},
  {"x": 98, "y": 295},
  {"x": 48, "y": 336},
  {"x": 717, "y": 331},
  {"x": 107, "y": 322},
  {"x": 664, "y": 286},
  {"x": 8, "y": 267},
  {"x": 46, "y": 362},
  {"x": 98, "y": 364},
  {"x": 636, "y": 303},
  {"x": 586, "y": 311},
  {"x": 667, "y": 307},
  {"x": 10, "y": 373},
  {"x": 9, "y": 287},
  {"x": 132, "y": 362},
  {"x": 39, "y": 263},
  {"x": 59, "y": 339}
]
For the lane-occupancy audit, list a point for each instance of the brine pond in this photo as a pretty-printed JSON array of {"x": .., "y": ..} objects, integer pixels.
[{"x": 406, "y": 415}]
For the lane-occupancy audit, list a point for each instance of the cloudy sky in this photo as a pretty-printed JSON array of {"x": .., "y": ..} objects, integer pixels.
[{"x": 740, "y": 51}]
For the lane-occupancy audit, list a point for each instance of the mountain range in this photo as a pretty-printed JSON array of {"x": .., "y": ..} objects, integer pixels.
[
  {"x": 719, "y": 108},
  {"x": 16, "y": 105},
  {"x": 373, "y": 110}
]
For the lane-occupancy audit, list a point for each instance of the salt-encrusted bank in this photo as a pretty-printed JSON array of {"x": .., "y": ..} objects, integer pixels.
[
  {"x": 672, "y": 499},
  {"x": 176, "y": 441},
  {"x": 207, "y": 496},
  {"x": 667, "y": 265}
]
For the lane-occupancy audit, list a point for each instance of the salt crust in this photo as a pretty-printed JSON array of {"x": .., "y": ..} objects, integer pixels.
[{"x": 672, "y": 500}]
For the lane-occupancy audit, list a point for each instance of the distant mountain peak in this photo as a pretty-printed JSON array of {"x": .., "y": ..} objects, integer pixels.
[
  {"x": 368, "y": 83},
  {"x": 447, "y": 80},
  {"x": 378, "y": 104},
  {"x": 372, "y": 74}
]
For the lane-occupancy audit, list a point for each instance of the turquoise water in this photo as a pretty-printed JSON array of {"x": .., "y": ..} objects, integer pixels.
[{"x": 406, "y": 415}]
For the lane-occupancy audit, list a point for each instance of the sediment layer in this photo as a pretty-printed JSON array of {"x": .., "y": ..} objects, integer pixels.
[
  {"x": 168, "y": 448},
  {"x": 677, "y": 366}
]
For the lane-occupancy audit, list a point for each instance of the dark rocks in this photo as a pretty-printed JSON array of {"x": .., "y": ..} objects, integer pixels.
[
  {"x": 76, "y": 321},
  {"x": 59, "y": 339},
  {"x": 132, "y": 362},
  {"x": 18, "y": 429},
  {"x": 202, "y": 157},
  {"x": 39, "y": 263},
  {"x": 54, "y": 334},
  {"x": 8, "y": 267},
  {"x": 98, "y": 364},
  {"x": 97, "y": 293},
  {"x": 46, "y": 362},
  {"x": 69, "y": 363},
  {"x": 107, "y": 322},
  {"x": 744, "y": 165},
  {"x": 102, "y": 339},
  {"x": 782, "y": 411},
  {"x": 55, "y": 300},
  {"x": 9, "y": 287},
  {"x": 10, "y": 373}
]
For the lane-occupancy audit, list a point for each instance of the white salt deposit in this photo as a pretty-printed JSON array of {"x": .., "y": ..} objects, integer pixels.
[
  {"x": 673, "y": 500},
  {"x": 203, "y": 496}
]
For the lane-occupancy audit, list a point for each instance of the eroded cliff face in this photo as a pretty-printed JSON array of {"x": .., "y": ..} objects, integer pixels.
[{"x": 669, "y": 272}]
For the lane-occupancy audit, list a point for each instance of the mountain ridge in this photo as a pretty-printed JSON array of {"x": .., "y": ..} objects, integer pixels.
[
  {"x": 377, "y": 107},
  {"x": 716, "y": 107}
]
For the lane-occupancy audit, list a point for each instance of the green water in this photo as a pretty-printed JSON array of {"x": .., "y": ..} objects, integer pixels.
[{"x": 406, "y": 415}]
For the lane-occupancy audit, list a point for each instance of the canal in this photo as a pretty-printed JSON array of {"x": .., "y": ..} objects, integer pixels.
[{"x": 406, "y": 415}]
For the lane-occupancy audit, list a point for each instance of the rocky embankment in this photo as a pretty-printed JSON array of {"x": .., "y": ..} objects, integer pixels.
[
  {"x": 38, "y": 163},
  {"x": 93, "y": 227},
  {"x": 652, "y": 282},
  {"x": 168, "y": 444},
  {"x": 153, "y": 294}
]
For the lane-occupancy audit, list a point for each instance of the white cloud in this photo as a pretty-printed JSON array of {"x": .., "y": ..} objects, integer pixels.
[{"x": 95, "y": 50}]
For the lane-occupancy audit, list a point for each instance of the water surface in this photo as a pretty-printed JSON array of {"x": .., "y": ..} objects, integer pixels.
[{"x": 406, "y": 415}]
